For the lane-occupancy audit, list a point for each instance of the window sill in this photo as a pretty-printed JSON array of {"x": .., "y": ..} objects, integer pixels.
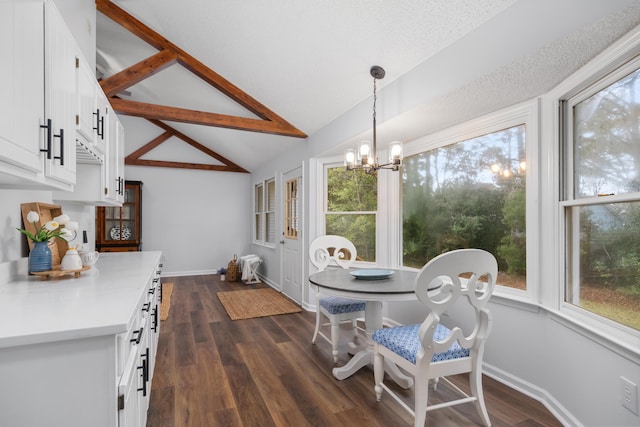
[{"x": 271, "y": 246}]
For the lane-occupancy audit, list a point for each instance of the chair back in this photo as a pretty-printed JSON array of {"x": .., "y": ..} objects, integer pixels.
[
  {"x": 331, "y": 249},
  {"x": 458, "y": 272}
]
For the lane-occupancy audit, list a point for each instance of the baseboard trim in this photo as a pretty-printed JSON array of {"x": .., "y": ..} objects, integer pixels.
[{"x": 534, "y": 392}]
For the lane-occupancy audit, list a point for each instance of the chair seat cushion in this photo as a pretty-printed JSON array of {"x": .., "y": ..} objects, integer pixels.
[
  {"x": 338, "y": 305},
  {"x": 404, "y": 341}
]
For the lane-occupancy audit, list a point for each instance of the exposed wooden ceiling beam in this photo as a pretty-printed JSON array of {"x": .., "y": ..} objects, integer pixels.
[
  {"x": 138, "y": 72},
  {"x": 134, "y": 158},
  {"x": 270, "y": 120},
  {"x": 174, "y": 114}
]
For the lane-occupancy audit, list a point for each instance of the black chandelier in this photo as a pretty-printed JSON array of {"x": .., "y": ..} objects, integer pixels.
[{"x": 366, "y": 155}]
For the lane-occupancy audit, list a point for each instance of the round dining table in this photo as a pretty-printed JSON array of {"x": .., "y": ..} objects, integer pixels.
[{"x": 386, "y": 285}]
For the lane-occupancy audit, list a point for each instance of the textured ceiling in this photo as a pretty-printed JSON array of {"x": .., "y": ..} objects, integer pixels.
[{"x": 308, "y": 61}]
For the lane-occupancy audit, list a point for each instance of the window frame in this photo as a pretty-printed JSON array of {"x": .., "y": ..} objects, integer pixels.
[
  {"x": 261, "y": 216},
  {"x": 325, "y": 208},
  {"x": 621, "y": 339},
  {"x": 527, "y": 114},
  {"x": 569, "y": 199}
]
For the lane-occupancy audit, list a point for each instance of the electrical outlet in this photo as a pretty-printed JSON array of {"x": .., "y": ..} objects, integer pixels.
[{"x": 629, "y": 395}]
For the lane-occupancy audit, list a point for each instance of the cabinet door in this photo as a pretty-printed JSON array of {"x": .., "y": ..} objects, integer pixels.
[
  {"x": 60, "y": 72},
  {"x": 21, "y": 87},
  {"x": 128, "y": 401},
  {"x": 114, "y": 179},
  {"x": 87, "y": 120}
]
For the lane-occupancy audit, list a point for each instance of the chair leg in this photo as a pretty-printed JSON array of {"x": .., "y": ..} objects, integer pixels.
[
  {"x": 315, "y": 333},
  {"x": 354, "y": 322},
  {"x": 421, "y": 391},
  {"x": 378, "y": 374},
  {"x": 475, "y": 382},
  {"x": 335, "y": 338}
]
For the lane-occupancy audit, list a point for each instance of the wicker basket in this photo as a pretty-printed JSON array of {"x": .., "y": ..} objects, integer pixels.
[{"x": 233, "y": 270}]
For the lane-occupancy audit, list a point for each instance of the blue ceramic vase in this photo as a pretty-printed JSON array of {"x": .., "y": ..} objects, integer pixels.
[{"x": 40, "y": 257}]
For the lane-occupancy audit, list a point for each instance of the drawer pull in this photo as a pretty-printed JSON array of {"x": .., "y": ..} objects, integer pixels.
[{"x": 137, "y": 336}]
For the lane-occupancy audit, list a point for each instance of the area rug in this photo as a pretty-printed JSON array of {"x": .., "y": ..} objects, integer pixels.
[
  {"x": 167, "y": 289},
  {"x": 251, "y": 303}
]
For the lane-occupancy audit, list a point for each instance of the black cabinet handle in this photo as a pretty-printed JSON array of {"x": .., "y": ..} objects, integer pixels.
[
  {"x": 154, "y": 317},
  {"x": 101, "y": 133},
  {"x": 97, "y": 128},
  {"x": 146, "y": 306},
  {"x": 152, "y": 291},
  {"x": 61, "y": 156},
  {"x": 144, "y": 369},
  {"x": 47, "y": 148},
  {"x": 137, "y": 336}
]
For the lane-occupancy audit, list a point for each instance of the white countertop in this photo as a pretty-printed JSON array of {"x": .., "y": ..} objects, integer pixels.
[{"x": 101, "y": 301}]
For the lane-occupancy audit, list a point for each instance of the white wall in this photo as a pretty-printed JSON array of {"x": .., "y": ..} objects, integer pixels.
[{"x": 198, "y": 219}]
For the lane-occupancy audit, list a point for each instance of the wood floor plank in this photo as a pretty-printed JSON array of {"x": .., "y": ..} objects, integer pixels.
[{"x": 212, "y": 371}]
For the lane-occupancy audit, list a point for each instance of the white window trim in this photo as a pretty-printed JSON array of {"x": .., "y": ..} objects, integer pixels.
[
  {"x": 526, "y": 113},
  {"x": 263, "y": 218},
  {"x": 552, "y": 234}
]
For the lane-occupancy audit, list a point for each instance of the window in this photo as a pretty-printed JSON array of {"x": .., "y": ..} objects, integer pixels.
[
  {"x": 601, "y": 197},
  {"x": 259, "y": 212},
  {"x": 351, "y": 205},
  {"x": 265, "y": 205},
  {"x": 270, "y": 212},
  {"x": 468, "y": 194},
  {"x": 292, "y": 209}
]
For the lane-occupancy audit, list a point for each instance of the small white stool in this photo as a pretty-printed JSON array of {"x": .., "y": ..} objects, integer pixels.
[{"x": 249, "y": 266}]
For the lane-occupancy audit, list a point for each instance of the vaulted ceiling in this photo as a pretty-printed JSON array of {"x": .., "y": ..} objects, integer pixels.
[{"x": 247, "y": 80}]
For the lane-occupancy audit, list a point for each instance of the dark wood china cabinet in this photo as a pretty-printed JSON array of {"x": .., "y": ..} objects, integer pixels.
[{"x": 118, "y": 229}]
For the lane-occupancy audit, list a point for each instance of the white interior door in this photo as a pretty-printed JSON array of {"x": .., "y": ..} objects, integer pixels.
[{"x": 292, "y": 238}]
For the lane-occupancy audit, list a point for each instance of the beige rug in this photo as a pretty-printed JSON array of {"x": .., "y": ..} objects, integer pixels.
[
  {"x": 167, "y": 289},
  {"x": 251, "y": 303}
]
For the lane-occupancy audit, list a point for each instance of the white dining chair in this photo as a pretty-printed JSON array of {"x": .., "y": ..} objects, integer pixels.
[
  {"x": 327, "y": 252},
  {"x": 431, "y": 350}
]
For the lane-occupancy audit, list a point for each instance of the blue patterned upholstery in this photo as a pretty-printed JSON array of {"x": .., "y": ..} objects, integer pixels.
[
  {"x": 404, "y": 341},
  {"x": 338, "y": 305}
]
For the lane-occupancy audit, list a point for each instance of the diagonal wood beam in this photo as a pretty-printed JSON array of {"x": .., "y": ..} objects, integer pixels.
[
  {"x": 196, "y": 144},
  {"x": 138, "y": 72},
  {"x": 156, "y": 40},
  {"x": 134, "y": 158},
  {"x": 174, "y": 114},
  {"x": 148, "y": 146}
]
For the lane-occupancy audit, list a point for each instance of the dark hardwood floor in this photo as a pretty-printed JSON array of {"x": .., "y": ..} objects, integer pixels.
[{"x": 212, "y": 371}]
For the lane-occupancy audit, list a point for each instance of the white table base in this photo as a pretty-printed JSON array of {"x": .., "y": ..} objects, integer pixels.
[{"x": 364, "y": 357}]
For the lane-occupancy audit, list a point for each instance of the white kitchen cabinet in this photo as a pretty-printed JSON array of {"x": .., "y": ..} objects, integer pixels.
[
  {"x": 37, "y": 85},
  {"x": 79, "y": 353},
  {"x": 60, "y": 91},
  {"x": 21, "y": 89},
  {"x": 90, "y": 124},
  {"x": 114, "y": 186},
  {"x": 100, "y": 183}
]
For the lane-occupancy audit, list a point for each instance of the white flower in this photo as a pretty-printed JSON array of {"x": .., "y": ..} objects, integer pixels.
[
  {"x": 67, "y": 234},
  {"x": 62, "y": 219},
  {"x": 51, "y": 225},
  {"x": 33, "y": 216},
  {"x": 71, "y": 225}
]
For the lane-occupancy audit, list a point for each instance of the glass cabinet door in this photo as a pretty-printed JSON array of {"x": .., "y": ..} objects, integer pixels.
[{"x": 120, "y": 226}]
